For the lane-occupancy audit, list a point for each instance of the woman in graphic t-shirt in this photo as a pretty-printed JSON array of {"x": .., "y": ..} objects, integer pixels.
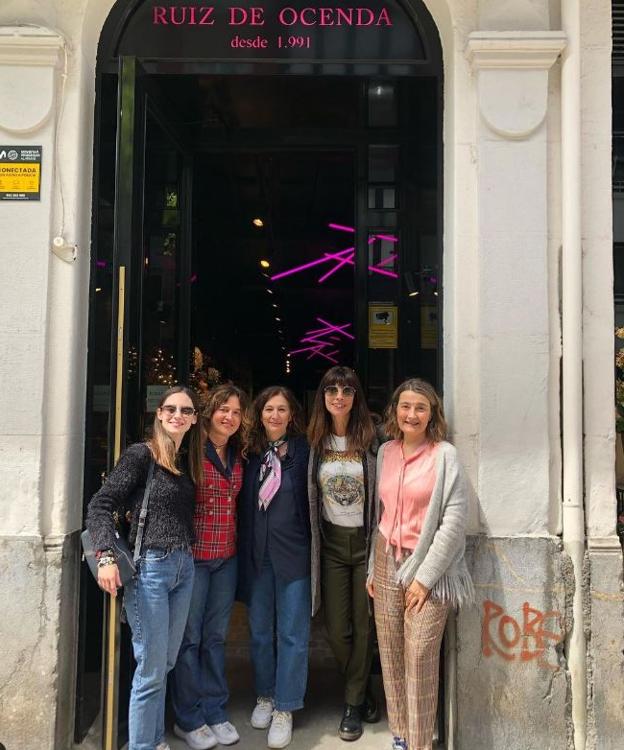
[{"x": 341, "y": 483}]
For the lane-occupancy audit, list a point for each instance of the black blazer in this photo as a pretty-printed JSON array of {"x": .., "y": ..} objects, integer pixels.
[{"x": 297, "y": 463}]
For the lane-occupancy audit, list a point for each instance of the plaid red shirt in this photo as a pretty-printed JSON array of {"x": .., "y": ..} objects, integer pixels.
[{"x": 215, "y": 512}]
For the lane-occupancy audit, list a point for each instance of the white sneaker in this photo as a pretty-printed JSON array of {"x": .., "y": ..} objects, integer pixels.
[
  {"x": 201, "y": 738},
  {"x": 163, "y": 746},
  {"x": 225, "y": 733},
  {"x": 262, "y": 713},
  {"x": 280, "y": 733}
]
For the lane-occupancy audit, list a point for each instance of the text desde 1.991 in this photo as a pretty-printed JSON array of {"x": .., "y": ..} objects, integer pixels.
[{"x": 261, "y": 42}]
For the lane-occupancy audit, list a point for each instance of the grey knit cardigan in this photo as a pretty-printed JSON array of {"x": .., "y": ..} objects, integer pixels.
[{"x": 438, "y": 560}]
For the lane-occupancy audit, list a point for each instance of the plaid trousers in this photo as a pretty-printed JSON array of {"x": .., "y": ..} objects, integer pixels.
[{"x": 409, "y": 647}]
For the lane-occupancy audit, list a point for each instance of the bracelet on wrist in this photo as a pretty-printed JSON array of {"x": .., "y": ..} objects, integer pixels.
[
  {"x": 104, "y": 553},
  {"x": 104, "y": 561}
]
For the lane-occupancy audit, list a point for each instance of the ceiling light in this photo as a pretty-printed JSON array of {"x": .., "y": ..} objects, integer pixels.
[
  {"x": 265, "y": 263},
  {"x": 279, "y": 320},
  {"x": 258, "y": 223},
  {"x": 270, "y": 291}
]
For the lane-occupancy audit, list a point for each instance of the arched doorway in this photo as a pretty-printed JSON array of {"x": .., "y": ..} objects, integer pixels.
[{"x": 267, "y": 200}]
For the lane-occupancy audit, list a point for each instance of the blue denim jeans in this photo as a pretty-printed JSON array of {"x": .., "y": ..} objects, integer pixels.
[
  {"x": 199, "y": 689},
  {"x": 279, "y": 621},
  {"x": 157, "y": 604}
]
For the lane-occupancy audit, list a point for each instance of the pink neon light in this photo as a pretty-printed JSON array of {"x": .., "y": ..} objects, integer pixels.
[
  {"x": 337, "y": 329},
  {"x": 389, "y": 237},
  {"x": 319, "y": 348},
  {"x": 388, "y": 260},
  {"x": 318, "y": 345},
  {"x": 324, "y": 331},
  {"x": 347, "y": 259},
  {"x": 342, "y": 258},
  {"x": 341, "y": 228},
  {"x": 327, "y": 257}
]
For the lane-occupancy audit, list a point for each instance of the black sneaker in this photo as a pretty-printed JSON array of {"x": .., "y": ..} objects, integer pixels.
[
  {"x": 369, "y": 710},
  {"x": 351, "y": 724}
]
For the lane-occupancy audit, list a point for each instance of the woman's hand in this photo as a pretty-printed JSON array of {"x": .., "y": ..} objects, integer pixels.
[
  {"x": 415, "y": 596},
  {"x": 370, "y": 587},
  {"x": 109, "y": 579}
]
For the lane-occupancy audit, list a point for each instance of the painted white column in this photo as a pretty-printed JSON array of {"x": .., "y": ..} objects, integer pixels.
[
  {"x": 512, "y": 71},
  {"x": 36, "y": 631}
]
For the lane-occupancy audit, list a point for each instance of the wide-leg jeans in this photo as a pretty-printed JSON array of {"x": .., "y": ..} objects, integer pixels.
[
  {"x": 157, "y": 604},
  {"x": 199, "y": 689},
  {"x": 279, "y": 622}
]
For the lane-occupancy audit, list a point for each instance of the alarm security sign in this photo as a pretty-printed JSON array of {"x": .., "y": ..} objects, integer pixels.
[{"x": 20, "y": 173}]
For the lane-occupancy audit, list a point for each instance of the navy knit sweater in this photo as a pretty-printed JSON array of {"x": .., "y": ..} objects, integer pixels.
[{"x": 169, "y": 523}]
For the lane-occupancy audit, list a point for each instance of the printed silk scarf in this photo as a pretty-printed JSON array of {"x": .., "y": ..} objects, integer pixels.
[{"x": 270, "y": 474}]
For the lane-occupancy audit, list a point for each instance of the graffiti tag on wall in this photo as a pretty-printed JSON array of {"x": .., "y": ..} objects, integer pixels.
[{"x": 526, "y": 640}]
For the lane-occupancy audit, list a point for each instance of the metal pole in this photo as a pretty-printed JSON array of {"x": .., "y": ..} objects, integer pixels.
[
  {"x": 112, "y": 629},
  {"x": 572, "y": 365}
]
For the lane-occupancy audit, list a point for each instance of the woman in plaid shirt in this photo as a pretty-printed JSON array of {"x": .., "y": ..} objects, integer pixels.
[{"x": 200, "y": 691}]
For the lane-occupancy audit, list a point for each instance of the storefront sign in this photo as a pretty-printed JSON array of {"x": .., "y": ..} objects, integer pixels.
[
  {"x": 20, "y": 173},
  {"x": 383, "y": 326},
  {"x": 372, "y": 30}
]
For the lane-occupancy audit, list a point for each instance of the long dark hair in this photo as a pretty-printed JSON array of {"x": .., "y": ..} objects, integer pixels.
[
  {"x": 257, "y": 441},
  {"x": 162, "y": 446},
  {"x": 360, "y": 429},
  {"x": 216, "y": 398}
]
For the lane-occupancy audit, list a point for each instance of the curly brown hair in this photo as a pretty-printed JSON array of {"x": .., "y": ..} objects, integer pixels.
[
  {"x": 360, "y": 430},
  {"x": 219, "y": 396},
  {"x": 256, "y": 439},
  {"x": 437, "y": 427}
]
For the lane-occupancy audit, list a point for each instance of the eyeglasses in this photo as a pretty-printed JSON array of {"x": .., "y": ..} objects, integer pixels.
[
  {"x": 333, "y": 390},
  {"x": 185, "y": 411}
]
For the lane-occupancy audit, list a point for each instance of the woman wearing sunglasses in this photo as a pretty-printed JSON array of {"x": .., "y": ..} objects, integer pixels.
[
  {"x": 157, "y": 600},
  {"x": 341, "y": 483},
  {"x": 199, "y": 686},
  {"x": 274, "y": 560}
]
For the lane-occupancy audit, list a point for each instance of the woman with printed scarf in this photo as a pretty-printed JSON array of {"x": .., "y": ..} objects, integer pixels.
[
  {"x": 417, "y": 569},
  {"x": 341, "y": 484},
  {"x": 199, "y": 686},
  {"x": 274, "y": 560}
]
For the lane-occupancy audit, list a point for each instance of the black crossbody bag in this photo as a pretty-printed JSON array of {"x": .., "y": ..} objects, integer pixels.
[{"x": 125, "y": 558}]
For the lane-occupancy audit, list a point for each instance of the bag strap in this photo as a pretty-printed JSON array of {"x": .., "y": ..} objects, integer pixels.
[{"x": 143, "y": 513}]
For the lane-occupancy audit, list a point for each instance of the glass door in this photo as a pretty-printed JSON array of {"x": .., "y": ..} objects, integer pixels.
[{"x": 144, "y": 261}]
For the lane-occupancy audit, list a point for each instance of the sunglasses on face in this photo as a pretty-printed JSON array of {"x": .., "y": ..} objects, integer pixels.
[
  {"x": 185, "y": 411},
  {"x": 333, "y": 390}
]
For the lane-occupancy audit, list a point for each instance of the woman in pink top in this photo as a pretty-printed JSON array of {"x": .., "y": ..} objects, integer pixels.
[{"x": 417, "y": 569}]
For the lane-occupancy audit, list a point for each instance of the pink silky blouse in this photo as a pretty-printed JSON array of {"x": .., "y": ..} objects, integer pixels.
[{"x": 405, "y": 488}]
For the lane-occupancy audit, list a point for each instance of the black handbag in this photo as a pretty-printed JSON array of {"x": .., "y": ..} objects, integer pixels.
[{"x": 125, "y": 558}]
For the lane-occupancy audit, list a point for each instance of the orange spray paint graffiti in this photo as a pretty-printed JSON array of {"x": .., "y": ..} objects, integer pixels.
[{"x": 502, "y": 635}]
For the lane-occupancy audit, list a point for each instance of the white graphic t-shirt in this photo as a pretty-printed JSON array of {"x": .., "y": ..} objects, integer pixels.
[{"x": 341, "y": 479}]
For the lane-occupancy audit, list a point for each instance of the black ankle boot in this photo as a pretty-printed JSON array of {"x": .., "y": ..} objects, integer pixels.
[
  {"x": 351, "y": 723},
  {"x": 369, "y": 710}
]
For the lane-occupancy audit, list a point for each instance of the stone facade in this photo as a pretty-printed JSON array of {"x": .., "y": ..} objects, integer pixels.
[{"x": 507, "y": 136}]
